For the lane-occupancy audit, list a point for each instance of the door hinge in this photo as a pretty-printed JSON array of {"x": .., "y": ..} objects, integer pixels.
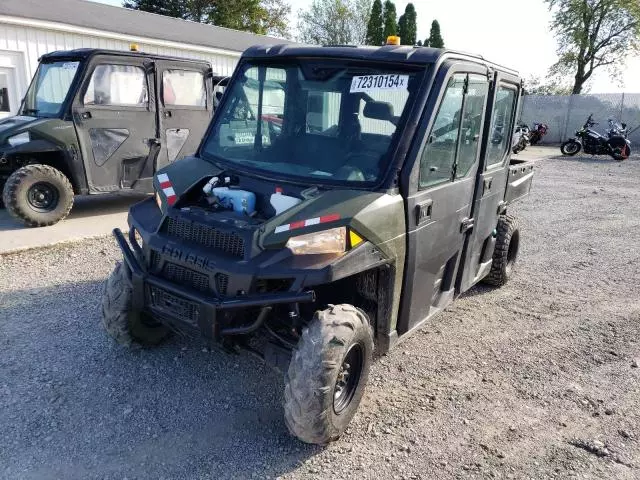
[{"x": 466, "y": 225}]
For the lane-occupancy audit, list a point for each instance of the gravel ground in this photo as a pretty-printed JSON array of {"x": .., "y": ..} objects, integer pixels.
[{"x": 534, "y": 380}]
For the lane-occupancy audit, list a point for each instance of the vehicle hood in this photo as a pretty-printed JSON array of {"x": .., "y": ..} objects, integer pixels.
[
  {"x": 17, "y": 124},
  {"x": 379, "y": 216}
]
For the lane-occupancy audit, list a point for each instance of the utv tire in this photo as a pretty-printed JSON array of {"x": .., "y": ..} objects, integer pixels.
[
  {"x": 570, "y": 148},
  {"x": 506, "y": 251},
  {"x": 327, "y": 374},
  {"x": 38, "y": 195},
  {"x": 125, "y": 326}
]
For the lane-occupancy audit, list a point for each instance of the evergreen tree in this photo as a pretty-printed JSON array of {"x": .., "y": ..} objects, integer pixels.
[
  {"x": 375, "y": 32},
  {"x": 390, "y": 19},
  {"x": 407, "y": 25},
  {"x": 419, "y": 43},
  {"x": 435, "y": 39}
]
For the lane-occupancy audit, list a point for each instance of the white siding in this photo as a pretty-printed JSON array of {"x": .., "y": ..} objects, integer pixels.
[{"x": 34, "y": 42}]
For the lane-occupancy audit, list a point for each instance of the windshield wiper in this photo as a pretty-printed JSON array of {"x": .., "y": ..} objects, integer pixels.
[{"x": 32, "y": 110}]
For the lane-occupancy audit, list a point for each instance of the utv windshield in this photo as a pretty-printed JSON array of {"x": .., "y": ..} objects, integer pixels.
[
  {"x": 324, "y": 122},
  {"x": 49, "y": 88}
]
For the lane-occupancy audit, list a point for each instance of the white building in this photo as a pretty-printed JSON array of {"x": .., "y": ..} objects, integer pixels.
[{"x": 31, "y": 28}]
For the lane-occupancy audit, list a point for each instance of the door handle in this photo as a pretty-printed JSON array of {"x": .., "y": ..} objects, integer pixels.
[
  {"x": 466, "y": 225},
  {"x": 85, "y": 115},
  {"x": 167, "y": 114},
  {"x": 423, "y": 211}
]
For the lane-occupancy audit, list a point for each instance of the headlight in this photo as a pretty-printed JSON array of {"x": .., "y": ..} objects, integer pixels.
[
  {"x": 333, "y": 240},
  {"x": 158, "y": 200},
  {"x": 19, "y": 139}
]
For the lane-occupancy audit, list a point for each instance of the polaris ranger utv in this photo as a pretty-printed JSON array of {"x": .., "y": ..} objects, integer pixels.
[
  {"x": 96, "y": 121},
  {"x": 341, "y": 197}
]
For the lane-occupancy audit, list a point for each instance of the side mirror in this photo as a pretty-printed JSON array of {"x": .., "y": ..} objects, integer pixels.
[{"x": 218, "y": 96}]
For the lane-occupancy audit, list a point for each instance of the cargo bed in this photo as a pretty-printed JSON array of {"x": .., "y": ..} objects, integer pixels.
[{"x": 519, "y": 179}]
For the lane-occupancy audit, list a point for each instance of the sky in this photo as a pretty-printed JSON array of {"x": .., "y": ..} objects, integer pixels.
[{"x": 514, "y": 33}]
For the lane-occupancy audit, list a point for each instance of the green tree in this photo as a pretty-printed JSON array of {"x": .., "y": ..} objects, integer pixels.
[
  {"x": 419, "y": 43},
  {"x": 390, "y": 19},
  {"x": 334, "y": 22},
  {"x": 435, "y": 38},
  {"x": 535, "y": 86},
  {"x": 374, "y": 26},
  {"x": 257, "y": 16},
  {"x": 407, "y": 25},
  {"x": 170, "y": 8},
  {"x": 593, "y": 35}
]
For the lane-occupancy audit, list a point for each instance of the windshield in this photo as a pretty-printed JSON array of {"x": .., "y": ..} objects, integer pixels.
[
  {"x": 324, "y": 122},
  {"x": 49, "y": 88}
]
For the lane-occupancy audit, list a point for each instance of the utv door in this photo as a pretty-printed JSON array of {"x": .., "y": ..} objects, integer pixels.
[
  {"x": 114, "y": 115},
  {"x": 439, "y": 191},
  {"x": 492, "y": 179},
  {"x": 185, "y": 108}
]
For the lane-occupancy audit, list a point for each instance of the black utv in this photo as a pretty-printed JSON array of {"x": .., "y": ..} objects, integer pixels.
[
  {"x": 340, "y": 198},
  {"x": 96, "y": 121}
]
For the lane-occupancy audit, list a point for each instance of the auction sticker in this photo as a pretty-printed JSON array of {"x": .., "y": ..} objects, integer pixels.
[{"x": 368, "y": 83}]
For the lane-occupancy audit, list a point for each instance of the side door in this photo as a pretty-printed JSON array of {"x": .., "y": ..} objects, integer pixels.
[
  {"x": 491, "y": 179},
  {"x": 115, "y": 120},
  {"x": 185, "y": 107},
  {"x": 440, "y": 195}
]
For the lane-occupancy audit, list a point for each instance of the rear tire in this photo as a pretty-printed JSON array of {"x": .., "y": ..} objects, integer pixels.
[
  {"x": 570, "y": 148},
  {"x": 122, "y": 324},
  {"x": 38, "y": 195},
  {"x": 506, "y": 251},
  {"x": 327, "y": 374},
  {"x": 623, "y": 154}
]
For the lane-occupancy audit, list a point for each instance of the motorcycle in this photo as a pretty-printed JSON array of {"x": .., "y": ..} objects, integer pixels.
[
  {"x": 520, "y": 138},
  {"x": 539, "y": 130},
  {"x": 615, "y": 143}
]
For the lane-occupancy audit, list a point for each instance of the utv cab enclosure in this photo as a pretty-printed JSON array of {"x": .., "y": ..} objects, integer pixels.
[
  {"x": 341, "y": 197},
  {"x": 96, "y": 121}
]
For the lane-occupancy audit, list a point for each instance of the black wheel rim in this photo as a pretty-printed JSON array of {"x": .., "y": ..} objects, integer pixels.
[
  {"x": 571, "y": 148},
  {"x": 348, "y": 378},
  {"x": 43, "y": 197}
]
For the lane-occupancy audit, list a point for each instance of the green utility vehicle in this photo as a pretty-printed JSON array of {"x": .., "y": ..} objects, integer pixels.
[
  {"x": 341, "y": 197},
  {"x": 96, "y": 121}
]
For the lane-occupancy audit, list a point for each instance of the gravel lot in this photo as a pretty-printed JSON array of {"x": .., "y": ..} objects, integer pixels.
[{"x": 534, "y": 380}]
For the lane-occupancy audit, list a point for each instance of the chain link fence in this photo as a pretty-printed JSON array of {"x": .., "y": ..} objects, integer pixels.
[{"x": 565, "y": 114}]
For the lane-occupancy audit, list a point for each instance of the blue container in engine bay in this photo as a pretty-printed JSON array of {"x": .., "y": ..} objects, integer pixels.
[{"x": 240, "y": 201}]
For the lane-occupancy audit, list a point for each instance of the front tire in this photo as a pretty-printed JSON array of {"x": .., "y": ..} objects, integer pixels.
[
  {"x": 506, "y": 251},
  {"x": 38, "y": 195},
  {"x": 327, "y": 374},
  {"x": 570, "y": 148},
  {"x": 122, "y": 324}
]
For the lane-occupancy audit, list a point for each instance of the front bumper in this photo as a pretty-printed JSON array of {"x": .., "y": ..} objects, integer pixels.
[{"x": 182, "y": 307}]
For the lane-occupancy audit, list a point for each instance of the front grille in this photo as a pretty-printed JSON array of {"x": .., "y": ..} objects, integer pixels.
[
  {"x": 210, "y": 237},
  {"x": 178, "y": 307},
  {"x": 184, "y": 276},
  {"x": 222, "y": 282}
]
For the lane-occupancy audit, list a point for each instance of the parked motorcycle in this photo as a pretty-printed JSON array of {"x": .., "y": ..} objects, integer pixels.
[
  {"x": 520, "y": 138},
  {"x": 615, "y": 143},
  {"x": 538, "y": 131}
]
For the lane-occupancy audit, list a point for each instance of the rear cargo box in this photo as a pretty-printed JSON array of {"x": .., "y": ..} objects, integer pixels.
[{"x": 519, "y": 180}]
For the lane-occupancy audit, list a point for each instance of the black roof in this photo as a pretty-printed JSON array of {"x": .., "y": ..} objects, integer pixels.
[
  {"x": 98, "y": 16},
  {"x": 387, "y": 53},
  {"x": 83, "y": 53}
]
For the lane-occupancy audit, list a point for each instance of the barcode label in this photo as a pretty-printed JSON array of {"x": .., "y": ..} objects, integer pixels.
[{"x": 368, "y": 83}]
